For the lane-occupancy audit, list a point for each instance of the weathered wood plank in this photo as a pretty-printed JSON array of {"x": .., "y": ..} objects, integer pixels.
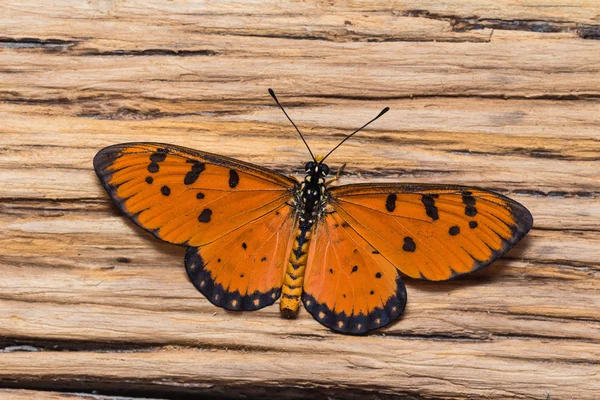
[
  {"x": 243, "y": 71},
  {"x": 410, "y": 365},
  {"x": 494, "y": 93},
  {"x": 420, "y": 142}
]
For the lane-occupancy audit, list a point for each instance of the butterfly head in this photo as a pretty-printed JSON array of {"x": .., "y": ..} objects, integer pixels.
[{"x": 316, "y": 169}]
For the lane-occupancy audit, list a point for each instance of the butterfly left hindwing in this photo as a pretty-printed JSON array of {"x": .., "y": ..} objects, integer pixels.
[{"x": 244, "y": 269}]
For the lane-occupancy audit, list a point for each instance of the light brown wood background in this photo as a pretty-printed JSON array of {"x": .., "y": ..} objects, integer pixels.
[{"x": 503, "y": 94}]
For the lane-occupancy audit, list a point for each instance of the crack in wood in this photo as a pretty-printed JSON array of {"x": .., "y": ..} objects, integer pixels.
[
  {"x": 464, "y": 24},
  {"x": 170, "y": 389},
  {"x": 150, "y": 52},
  {"x": 521, "y": 151},
  {"x": 344, "y": 37},
  {"x": 40, "y": 393},
  {"x": 51, "y": 45},
  {"x": 500, "y": 96}
]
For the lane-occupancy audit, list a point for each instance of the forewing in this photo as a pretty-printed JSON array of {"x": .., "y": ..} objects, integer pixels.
[
  {"x": 185, "y": 196},
  {"x": 432, "y": 232},
  {"x": 350, "y": 287}
]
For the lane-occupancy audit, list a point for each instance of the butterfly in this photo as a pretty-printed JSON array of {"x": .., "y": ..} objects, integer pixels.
[{"x": 254, "y": 235}]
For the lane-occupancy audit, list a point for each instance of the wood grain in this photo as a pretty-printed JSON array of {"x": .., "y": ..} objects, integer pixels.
[{"x": 496, "y": 93}]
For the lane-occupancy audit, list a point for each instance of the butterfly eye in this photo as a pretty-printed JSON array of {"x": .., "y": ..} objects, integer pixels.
[
  {"x": 324, "y": 169},
  {"x": 309, "y": 166}
]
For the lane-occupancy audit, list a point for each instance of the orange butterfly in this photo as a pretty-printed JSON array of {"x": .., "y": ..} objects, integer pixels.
[{"x": 254, "y": 235}]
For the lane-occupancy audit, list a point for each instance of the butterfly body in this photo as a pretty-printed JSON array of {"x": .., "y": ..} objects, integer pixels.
[{"x": 309, "y": 203}]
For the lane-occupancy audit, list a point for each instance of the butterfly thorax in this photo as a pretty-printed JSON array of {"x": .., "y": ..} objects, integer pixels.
[
  {"x": 312, "y": 192},
  {"x": 309, "y": 204}
]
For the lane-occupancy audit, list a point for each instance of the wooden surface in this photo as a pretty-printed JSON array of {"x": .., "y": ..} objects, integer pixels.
[{"x": 497, "y": 93}]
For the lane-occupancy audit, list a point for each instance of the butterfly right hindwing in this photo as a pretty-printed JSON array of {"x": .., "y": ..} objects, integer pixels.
[{"x": 349, "y": 286}]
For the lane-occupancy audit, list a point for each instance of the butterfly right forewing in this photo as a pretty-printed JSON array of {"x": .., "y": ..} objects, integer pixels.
[{"x": 433, "y": 232}]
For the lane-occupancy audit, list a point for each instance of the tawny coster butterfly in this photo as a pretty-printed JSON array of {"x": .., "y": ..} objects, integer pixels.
[{"x": 254, "y": 235}]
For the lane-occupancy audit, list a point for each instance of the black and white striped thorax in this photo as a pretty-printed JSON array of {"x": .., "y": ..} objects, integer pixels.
[{"x": 311, "y": 196}]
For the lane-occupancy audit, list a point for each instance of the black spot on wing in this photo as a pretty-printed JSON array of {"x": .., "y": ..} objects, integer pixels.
[
  {"x": 473, "y": 224},
  {"x": 390, "y": 202},
  {"x": 220, "y": 296},
  {"x": 428, "y": 201},
  {"x": 354, "y": 269},
  {"x": 194, "y": 173},
  {"x": 149, "y": 180},
  {"x": 469, "y": 201},
  {"x": 409, "y": 245},
  {"x": 199, "y": 195},
  {"x": 454, "y": 230},
  {"x": 158, "y": 157},
  {"x": 234, "y": 178},
  {"x": 165, "y": 190},
  {"x": 467, "y": 198},
  {"x": 205, "y": 215},
  {"x": 155, "y": 158}
]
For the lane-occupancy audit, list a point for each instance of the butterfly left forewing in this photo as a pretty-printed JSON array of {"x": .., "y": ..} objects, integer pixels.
[
  {"x": 433, "y": 232},
  {"x": 185, "y": 196}
]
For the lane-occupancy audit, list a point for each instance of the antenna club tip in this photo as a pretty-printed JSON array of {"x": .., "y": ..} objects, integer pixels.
[
  {"x": 384, "y": 111},
  {"x": 272, "y": 93}
]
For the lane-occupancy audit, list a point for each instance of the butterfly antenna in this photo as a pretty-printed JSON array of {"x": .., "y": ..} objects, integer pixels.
[
  {"x": 356, "y": 131},
  {"x": 272, "y": 93}
]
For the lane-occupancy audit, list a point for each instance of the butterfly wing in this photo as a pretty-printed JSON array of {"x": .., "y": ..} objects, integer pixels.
[
  {"x": 348, "y": 286},
  {"x": 433, "y": 232},
  {"x": 244, "y": 269},
  {"x": 234, "y": 213},
  {"x": 371, "y": 232}
]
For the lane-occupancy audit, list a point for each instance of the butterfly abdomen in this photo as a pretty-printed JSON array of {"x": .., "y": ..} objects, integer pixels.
[{"x": 291, "y": 292}]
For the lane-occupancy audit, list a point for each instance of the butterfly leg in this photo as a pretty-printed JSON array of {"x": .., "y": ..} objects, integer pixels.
[{"x": 337, "y": 175}]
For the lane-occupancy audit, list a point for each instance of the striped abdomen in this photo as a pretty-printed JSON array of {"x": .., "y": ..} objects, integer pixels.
[{"x": 294, "y": 274}]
